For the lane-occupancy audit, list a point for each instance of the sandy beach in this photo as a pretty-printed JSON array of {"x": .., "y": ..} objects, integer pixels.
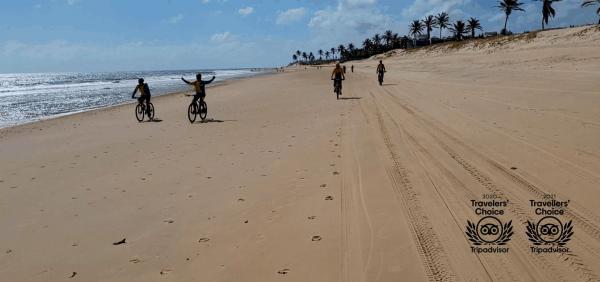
[{"x": 286, "y": 183}]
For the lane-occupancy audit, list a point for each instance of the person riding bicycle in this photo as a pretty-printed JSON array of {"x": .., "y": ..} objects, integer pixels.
[
  {"x": 144, "y": 94},
  {"x": 337, "y": 76},
  {"x": 199, "y": 87},
  {"x": 381, "y": 69}
]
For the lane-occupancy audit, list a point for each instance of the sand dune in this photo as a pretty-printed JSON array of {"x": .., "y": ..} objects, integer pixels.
[{"x": 287, "y": 184}]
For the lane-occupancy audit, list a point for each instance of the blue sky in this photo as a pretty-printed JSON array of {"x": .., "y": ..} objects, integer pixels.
[{"x": 106, "y": 35}]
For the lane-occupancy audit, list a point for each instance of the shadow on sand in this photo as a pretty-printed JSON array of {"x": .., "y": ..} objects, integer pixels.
[
  {"x": 350, "y": 98},
  {"x": 212, "y": 120}
]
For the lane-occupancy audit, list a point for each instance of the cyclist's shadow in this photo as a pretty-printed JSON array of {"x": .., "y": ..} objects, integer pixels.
[{"x": 212, "y": 120}]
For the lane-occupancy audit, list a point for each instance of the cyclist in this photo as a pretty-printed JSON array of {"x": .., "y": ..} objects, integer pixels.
[
  {"x": 337, "y": 75},
  {"x": 199, "y": 87},
  {"x": 144, "y": 94},
  {"x": 380, "y": 70}
]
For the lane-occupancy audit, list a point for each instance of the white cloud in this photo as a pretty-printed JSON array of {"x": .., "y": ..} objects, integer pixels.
[
  {"x": 291, "y": 15},
  {"x": 220, "y": 38},
  {"x": 246, "y": 11},
  {"x": 350, "y": 21},
  {"x": 421, "y": 8},
  {"x": 175, "y": 19}
]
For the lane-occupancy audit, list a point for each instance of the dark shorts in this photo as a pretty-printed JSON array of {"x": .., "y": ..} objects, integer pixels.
[{"x": 144, "y": 98}]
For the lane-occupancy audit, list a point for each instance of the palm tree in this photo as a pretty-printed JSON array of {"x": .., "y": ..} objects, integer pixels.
[
  {"x": 298, "y": 53},
  {"x": 459, "y": 28},
  {"x": 295, "y": 58},
  {"x": 304, "y": 56},
  {"x": 429, "y": 22},
  {"x": 547, "y": 11},
  {"x": 368, "y": 45},
  {"x": 388, "y": 36},
  {"x": 507, "y": 6},
  {"x": 587, "y": 3},
  {"x": 415, "y": 28},
  {"x": 442, "y": 20},
  {"x": 327, "y": 55},
  {"x": 332, "y": 52},
  {"x": 472, "y": 25},
  {"x": 311, "y": 56},
  {"x": 320, "y": 55},
  {"x": 341, "y": 50},
  {"x": 376, "y": 42}
]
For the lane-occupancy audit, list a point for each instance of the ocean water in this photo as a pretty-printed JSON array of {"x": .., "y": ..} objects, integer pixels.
[{"x": 27, "y": 97}]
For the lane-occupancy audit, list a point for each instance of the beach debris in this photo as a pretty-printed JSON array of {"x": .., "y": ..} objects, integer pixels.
[
  {"x": 336, "y": 173},
  {"x": 241, "y": 200},
  {"x": 312, "y": 217},
  {"x": 169, "y": 220},
  {"x": 246, "y": 221},
  {"x": 8, "y": 251},
  {"x": 73, "y": 274},
  {"x": 329, "y": 198},
  {"x": 135, "y": 260},
  {"x": 120, "y": 242},
  {"x": 316, "y": 238},
  {"x": 284, "y": 271},
  {"x": 513, "y": 168},
  {"x": 323, "y": 185},
  {"x": 203, "y": 240}
]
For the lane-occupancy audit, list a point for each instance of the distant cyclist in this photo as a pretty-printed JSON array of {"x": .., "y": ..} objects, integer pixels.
[
  {"x": 337, "y": 75},
  {"x": 380, "y": 71},
  {"x": 199, "y": 87},
  {"x": 144, "y": 93}
]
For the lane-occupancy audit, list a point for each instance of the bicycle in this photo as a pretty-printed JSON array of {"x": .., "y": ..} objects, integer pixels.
[
  {"x": 198, "y": 108},
  {"x": 140, "y": 111},
  {"x": 380, "y": 78},
  {"x": 337, "y": 87}
]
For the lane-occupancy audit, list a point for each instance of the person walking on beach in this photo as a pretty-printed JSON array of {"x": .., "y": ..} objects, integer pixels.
[
  {"x": 144, "y": 90},
  {"x": 352, "y": 68},
  {"x": 380, "y": 71},
  {"x": 199, "y": 87},
  {"x": 344, "y": 69},
  {"x": 337, "y": 75}
]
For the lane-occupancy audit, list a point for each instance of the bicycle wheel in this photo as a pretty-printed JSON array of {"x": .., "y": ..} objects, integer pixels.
[
  {"x": 192, "y": 112},
  {"x": 337, "y": 92},
  {"x": 139, "y": 112},
  {"x": 151, "y": 112},
  {"x": 203, "y": 110}
]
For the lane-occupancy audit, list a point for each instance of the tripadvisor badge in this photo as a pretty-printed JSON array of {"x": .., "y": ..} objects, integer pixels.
[
  {"x": 549, "y": 234},
  {"x": 490, "y": 234}
]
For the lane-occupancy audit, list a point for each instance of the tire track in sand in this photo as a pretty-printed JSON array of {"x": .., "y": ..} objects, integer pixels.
[{"x": 428, "y": 245}]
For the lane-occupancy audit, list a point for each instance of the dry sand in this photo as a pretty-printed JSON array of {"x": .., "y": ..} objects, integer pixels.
[{"x": 288, "y": 184}]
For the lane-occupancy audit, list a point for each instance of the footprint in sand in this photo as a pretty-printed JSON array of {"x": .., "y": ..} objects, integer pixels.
[
  {"x": 329, "y": 198},
  {"x": 203, "y": 240},
  {"x": 284, "y": 271},
  {"x": 316, "y": 238},
  {"x": 165, "y": 271},
  {"x": 241, "y": 200},
  {"x": 312, "y": 217},
  {"x": 169, "y": 220},
  {"x": 336, "y": 173},
  {"x": 323, "y": 185}
]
